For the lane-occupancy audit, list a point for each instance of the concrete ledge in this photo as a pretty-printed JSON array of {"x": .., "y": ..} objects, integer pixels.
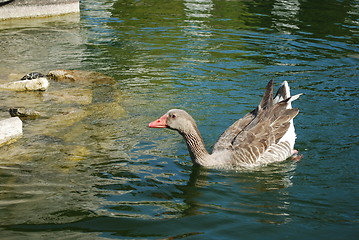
[{"x": 38, "y": 9}]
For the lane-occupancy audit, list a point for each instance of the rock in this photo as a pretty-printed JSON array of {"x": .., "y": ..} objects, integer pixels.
[
  {"x": 66, "y": 119},
  {"x": 79, "y": 76},
  {"x": 10, "y": 130},
  {"x": 70, "y": 95},
  {"x": 38, "y": 84},
  {"x": 110, "y": 110},
  {"x": 24, "y": 113},
  {"x": 78, "y": 153},
  {"x": 32, "y": 75}
]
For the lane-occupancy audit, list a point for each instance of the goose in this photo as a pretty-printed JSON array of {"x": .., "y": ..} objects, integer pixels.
[{"x": 263, "y": 136}]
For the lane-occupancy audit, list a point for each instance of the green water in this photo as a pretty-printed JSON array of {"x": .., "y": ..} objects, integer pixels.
[{"x": 94, "y": 170}]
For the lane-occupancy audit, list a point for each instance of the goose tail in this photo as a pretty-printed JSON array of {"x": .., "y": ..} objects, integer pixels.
[{"x": 283, "y": 94}]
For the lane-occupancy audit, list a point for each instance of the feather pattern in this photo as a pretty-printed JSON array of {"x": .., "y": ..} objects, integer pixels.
[{"x": 264, "y": 135}]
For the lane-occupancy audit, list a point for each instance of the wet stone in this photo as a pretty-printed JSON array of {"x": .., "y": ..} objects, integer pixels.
[
  {"x": 10, "y": 130},
  {"x": 32, "y": 75},
  {"x": 70, "y": 95},
  {"x": 24, "y": 113},
  {"x": 38, "y": 84},
  {"x": 80, "y": 76},
  {"x": 110, "y": 110}
]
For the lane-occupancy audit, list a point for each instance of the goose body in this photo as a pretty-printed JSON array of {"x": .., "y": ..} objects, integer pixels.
[{"x": 264, "y": 135}]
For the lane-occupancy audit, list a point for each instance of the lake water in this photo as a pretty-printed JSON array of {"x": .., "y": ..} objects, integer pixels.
[{"x": 105, "y": 175}]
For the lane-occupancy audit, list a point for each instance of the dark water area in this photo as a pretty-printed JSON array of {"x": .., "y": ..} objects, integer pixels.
[{"x": 105, "y": 175}]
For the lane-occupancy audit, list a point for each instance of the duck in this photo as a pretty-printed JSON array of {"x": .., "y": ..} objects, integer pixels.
[{"x": 263, "y": 136}]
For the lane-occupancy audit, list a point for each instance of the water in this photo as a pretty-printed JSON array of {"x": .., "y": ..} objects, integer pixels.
[{"x": 105, "y": 175}]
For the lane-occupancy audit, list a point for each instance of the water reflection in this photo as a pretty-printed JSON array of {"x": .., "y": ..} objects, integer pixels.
[
  {"x": 249, "y": 188},
  {"x": 285, "y": 15},
  {"x": 197, "y": 28},
  {"x": 197, "y": 14},
  {"x": 41, "y": 44}
]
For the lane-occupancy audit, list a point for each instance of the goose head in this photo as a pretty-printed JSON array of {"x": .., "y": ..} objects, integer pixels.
[
  {"x": 182, "y": 122},
  {"x": 175, "y": 119}
]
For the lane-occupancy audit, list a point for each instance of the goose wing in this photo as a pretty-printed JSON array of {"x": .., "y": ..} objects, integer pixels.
[
  {"x": 263, "y": 134},
  {"x": 226, "y": 139}
]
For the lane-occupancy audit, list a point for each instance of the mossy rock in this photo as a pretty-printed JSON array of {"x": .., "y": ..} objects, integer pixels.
[{"x": 80, "y": 76}]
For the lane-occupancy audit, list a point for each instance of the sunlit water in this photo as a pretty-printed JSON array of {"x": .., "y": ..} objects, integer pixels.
[{"x": 103, "y": 174}]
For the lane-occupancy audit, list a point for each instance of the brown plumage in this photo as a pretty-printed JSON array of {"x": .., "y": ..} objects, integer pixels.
[{"x": 262, "y": 136}]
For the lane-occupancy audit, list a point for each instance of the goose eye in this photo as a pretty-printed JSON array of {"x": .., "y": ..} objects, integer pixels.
[{"x": 173, "y": 116}]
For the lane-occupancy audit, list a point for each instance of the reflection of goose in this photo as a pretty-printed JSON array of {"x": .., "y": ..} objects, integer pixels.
[{"x": 264, "y": 135}]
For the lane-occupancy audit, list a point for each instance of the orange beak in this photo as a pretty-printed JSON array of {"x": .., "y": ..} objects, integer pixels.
[{"x": 159, "y": 123}]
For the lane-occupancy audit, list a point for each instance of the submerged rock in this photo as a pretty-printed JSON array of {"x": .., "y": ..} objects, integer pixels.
[
  {"x": 10, "y": 130},
  {"x": 110, "y": 110},
  {"x": 78, "y": 153},
  {"x": 80, "y": 76},
  {"x": 24, "y": 113},
  {"x": 70, "y": 95},
  {"x": 66, "y": 118}
]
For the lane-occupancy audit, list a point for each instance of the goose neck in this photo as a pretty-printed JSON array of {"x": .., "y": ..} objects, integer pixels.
[{"x": 196, "y": 146}]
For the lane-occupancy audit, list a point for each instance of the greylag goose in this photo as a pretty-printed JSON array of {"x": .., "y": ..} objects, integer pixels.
[{"x": 264, "y": 135}]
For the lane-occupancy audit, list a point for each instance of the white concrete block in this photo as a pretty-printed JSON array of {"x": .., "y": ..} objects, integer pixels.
[
  {"x": 10, "y": 130},
  {"x": 38, "y": 84}
]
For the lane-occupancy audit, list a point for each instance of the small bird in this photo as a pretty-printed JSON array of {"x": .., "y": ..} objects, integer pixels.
[{"x": 263, "y": 136}]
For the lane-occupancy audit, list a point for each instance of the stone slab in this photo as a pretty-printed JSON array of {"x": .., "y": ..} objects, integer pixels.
[{"x": 10, "y": 130}]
